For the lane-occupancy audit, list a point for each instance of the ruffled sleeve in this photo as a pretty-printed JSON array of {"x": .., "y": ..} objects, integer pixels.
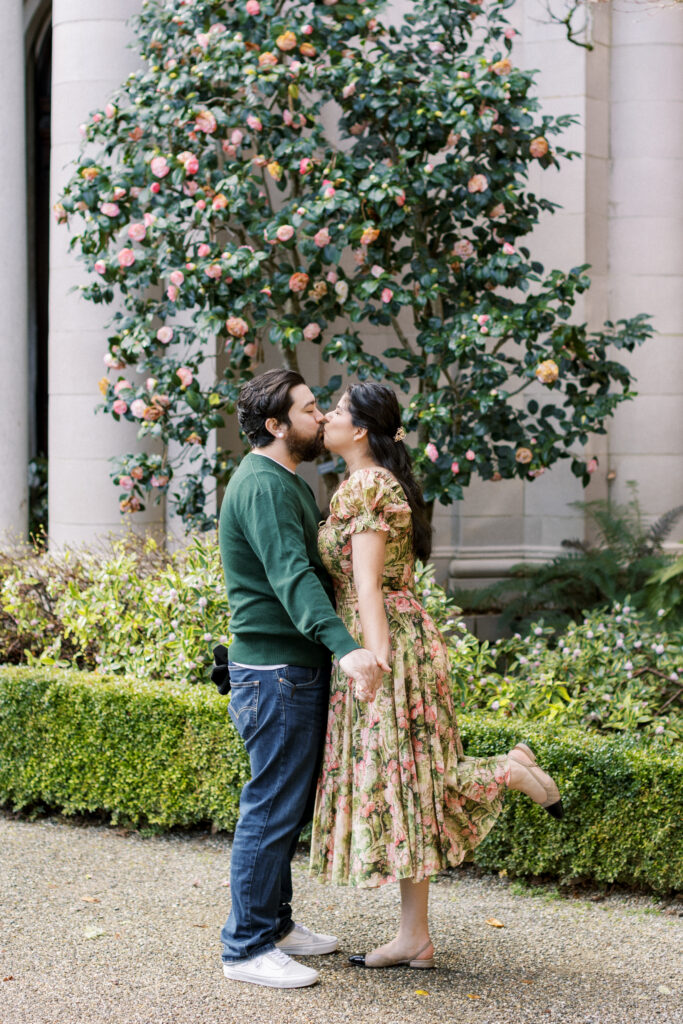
[{"x": 370, "y": 500}]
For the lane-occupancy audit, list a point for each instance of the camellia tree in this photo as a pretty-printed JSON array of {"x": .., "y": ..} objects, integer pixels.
[{"x": 283, "y": 174}]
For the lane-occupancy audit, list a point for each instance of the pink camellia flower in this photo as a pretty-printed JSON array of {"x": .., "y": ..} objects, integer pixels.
[
  {"x": 464, "y": 75},
  {"x": 463, "y": 248},
  {"x": 508, "y": 249},
  {"x": 137, "y": 232},
  {"x": 251, "y": 349},
  {"x": 148, "y": 220},
  {"x": 387, "y": 295},
  {"x": 307, "y": 30},
  {"x": 229, "y": 149},
  {"x": 100, "y": 267},
  {"x": 214, "y": 271},
  {"x": 436, "y": 47},
  {"x": 185, "y": 376},
  {"x": 311, "y": 331},
  {"x": 203, "y": 39},
  {"x": 151, "y": 383},
  {"x": 110, "y": 209},
  {"x": 200, "y": 204},
  {"x": 137, "y": 472},
  {"x": 322, "y": 238},
  {"x": 469, "y": 455},
  {"x": 126, "y": 258},
  {"x": 120, "y": 407},
  {"x": 203, "y": 250},
  {"x": 305, "y": 165},
  {"x": 113, "y": 362},
  {"x": 288, "y": 118},
  {"x": 510, "y": 33},
  {"x": 253, "y": 8},
  {"x": 236, "y": 136},
  {"x": 110, "y": 110},
  {"x": 159, "y": 166},
  {"x": 455, "y": 467},
  {"x": 328, "y": 192},
  {"x": 298, "y": 282},
  {"x": 126, "y": 483},
  {"x": 428, "y": 168},
  {"x": 120, "y": 192},
  {"x": 219, "y": 202},
  {"x": 163, "y": 401},
  {"x": 349, "y": 90},
  {"x": 155, "y": 187},
  {"x": 122, "y": 385},
  {"x": 400, "y": 198},
  {"x": 177, "y": 277},
  {"x": 205, "y": 122},
  {"x": 136, "y": 133},
  {"x": 376, "y": 270},
  {"x": 172, "y": 292},
  {"x": 483, "y": 318},
  {"x": 478, "y": 183},
  {"x": 254, "y": 123},
  {"x": 60, "y": 213},
  {"x": 189, "y": 162},
  {"x": 236, "y": 326},
  {"x": 190, "y": 187},
  {"x": 432, "y": 452},
  {"x": 332, "y": 276},
  {"x": 138, "y": 407},
  {"x": 284, "y": 232},
  {"x": 497, "y": 211},
  {"x": 165, "y": 334},
  {"x": 592, "y": 466},
  {"x": 158, "y": 481},
  {"x": 96, "y": 118}
]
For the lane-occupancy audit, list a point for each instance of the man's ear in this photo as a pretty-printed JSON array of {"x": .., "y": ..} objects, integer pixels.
[{"x": 274, "y": 427}]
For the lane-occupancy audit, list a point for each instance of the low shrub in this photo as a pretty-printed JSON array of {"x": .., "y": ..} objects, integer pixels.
[{"x": 167, "y": 755}]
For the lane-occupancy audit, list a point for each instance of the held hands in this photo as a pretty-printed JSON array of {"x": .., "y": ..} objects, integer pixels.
[{"x": 366, "y": 670}]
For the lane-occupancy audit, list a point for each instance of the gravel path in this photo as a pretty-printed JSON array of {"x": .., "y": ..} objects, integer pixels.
[{"x": 99, "y": 926}]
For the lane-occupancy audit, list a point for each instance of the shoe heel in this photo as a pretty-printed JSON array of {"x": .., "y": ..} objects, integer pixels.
[{"x": 422, "y": 965}]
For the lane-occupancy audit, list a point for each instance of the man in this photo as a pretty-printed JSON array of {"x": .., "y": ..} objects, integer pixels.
[{"x": 284, "y": 627}]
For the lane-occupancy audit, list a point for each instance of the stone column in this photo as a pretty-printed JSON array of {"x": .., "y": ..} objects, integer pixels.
[
  {"x": 90, "y": 59},
  {"x": 14, "y": 404},
  {"x": 646, "y": 248}
]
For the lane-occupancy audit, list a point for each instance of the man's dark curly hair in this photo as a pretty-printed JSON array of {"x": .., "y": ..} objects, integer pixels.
[{"x": 261, "y": 398}]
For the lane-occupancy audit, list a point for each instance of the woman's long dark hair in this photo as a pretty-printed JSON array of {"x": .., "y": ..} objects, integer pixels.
[{"x": 375, "y": 407}]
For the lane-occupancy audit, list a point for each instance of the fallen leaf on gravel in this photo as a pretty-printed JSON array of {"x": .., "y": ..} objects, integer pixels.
[
  {"x": 421, "y": 992},
  {"x": 664, "y": 989},
  {"x": 200, "y": 926},
  {"x": 494, "y": 922},
  {"x": 527, "y": 981},
  {"x": 10, "y": 977},
  {"x": 90, "y": 899},
  {"x": 470, "y": 996},
  {"x": 93, "y": 933}
]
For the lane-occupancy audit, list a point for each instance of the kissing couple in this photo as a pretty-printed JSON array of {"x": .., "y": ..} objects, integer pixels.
[{"x": 340, "y": 685}]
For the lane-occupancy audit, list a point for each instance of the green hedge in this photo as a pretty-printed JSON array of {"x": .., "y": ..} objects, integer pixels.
[{"x": 168, "y": 755}]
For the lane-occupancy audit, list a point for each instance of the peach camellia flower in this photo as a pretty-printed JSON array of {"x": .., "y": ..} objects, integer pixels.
[
  {"x": 497, "y": 211},
  {"x": 120, "y": 407},
  {"x": 284, "y": 233},
  {"x": 205, "y": 122},
  {"x": 267, "y": 59},
  {"x": 387, "y": 295},
  {"x": 159, "y": 166},
  {"x": 523, "y": 456},
  {"x": 432, "y": 452},
  {"x": 502, "y": 67},
  {"x": 275, "y": 170},
  {"x": 298, "y": 282},
  {"x": 478, "y": 183},
  {"x": 538, "y": 147},
  {"x": 236, "y": 326},
  {"x": 165, "y": 335},
  {"x": 185, "y": 376},
  {"x": 253, "y": 8},
  {"x": 322, "y": 238},
  {"x": 138, "y": 407},
  {"x": 311, "y": 331},
  {"x": 369, "y": 236},
  {"x": 286, "y": 41},
  {"x": 109, "y": 209},
  {"x": 219, "y": 202},
  {"x": 126, "y": 258},
  {"x": 548, "y": 371},
  {"x": 307, "y": 50},
  {"x": 137, "y": 232}
]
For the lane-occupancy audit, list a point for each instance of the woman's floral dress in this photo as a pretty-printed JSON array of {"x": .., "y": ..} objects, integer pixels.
[{"x": 396, "y": 796}]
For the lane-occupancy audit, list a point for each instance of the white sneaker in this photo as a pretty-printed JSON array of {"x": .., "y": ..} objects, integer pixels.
[
  {"x": 274, "y": 969},
  {"x": 301, "y": 941}
]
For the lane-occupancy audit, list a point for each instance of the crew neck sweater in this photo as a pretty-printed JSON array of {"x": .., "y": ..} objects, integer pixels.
[{"x": 279, "y": 592}]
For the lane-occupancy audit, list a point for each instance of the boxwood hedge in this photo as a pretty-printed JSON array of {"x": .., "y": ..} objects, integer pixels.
[{"x": 167, "y": 755}]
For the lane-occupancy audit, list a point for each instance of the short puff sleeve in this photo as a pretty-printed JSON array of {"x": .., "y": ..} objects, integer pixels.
[{"x": 371, "y": 500}]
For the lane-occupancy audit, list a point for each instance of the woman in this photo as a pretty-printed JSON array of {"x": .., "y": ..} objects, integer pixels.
[{"x": 397, "y": 800}]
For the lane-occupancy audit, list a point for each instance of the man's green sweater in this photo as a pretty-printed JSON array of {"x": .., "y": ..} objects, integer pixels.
[{"x": 279, "y": 592}]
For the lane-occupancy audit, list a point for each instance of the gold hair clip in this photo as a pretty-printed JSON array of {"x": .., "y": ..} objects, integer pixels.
[{"x": 400, "y": 434}]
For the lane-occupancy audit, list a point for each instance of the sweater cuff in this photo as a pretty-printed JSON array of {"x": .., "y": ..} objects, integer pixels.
[{"x": 344, "y": 644}]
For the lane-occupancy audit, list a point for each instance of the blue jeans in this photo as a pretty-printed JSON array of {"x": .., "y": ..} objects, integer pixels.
[{"x": 281, "y": 715}]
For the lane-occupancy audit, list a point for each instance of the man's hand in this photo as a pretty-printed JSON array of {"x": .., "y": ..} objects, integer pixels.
[{"x": 366, "y": 670}]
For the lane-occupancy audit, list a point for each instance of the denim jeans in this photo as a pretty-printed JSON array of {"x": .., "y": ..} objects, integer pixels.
[{"x": 281, "y": 715}]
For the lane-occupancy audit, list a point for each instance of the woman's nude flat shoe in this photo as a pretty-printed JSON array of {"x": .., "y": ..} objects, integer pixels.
[
  {"x": 379, "y": 960},
  {"x": 552, "y": 802}
]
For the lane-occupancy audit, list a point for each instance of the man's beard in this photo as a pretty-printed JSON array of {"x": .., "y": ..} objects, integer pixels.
[{"x": 305, "y": 449}]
